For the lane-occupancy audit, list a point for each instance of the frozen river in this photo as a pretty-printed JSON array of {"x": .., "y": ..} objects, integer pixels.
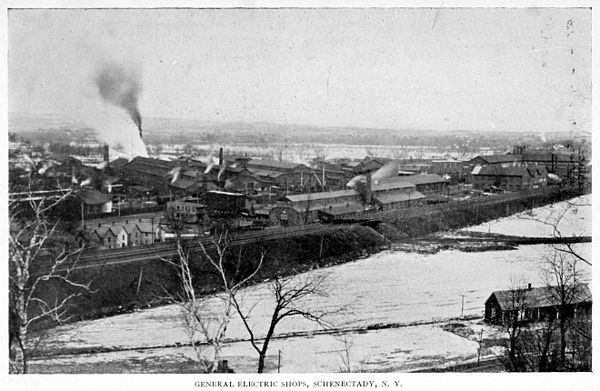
[{"x": 390, "y": 287}]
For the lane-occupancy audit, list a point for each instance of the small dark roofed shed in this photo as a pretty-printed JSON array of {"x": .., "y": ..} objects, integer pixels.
[{"x": 536, "y": 303}]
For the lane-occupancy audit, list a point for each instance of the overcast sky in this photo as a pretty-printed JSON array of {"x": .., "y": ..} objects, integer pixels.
[{"x": 475, "y": 69}]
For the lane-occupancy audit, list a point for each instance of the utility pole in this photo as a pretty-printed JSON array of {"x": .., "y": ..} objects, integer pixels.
[
  {"x": 279, "y": 361},
  {"x": 82, "y": 216},
  {"x": 462, "y": 306},
  {"x": 479, "y": 348}
]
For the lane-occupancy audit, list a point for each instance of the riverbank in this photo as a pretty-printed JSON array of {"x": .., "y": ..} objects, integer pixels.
[
  {"x": 123, "y": 288},
  {"x": 127, "y": 287}
]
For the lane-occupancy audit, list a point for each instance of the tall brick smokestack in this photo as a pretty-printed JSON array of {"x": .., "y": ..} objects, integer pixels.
[
  {"x": 105, "y": 154},
  {"x": 220, "y": 159},
  {"x": 368, "y": 185}
]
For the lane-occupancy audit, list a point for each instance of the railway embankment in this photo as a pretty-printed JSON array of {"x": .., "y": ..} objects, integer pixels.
[
  {"x": 460, "y": 214},
  {"x": 129, "y": 286}
]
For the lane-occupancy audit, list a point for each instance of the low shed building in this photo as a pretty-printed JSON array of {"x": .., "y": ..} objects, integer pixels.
[{"x": 535, "y": 304}]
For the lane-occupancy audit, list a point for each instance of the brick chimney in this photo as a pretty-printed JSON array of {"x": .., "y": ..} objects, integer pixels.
[
  {"x": 105, "y": 154},
  {"x": 368, "y": 195}
]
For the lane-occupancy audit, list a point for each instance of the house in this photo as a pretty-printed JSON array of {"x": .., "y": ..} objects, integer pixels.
[
  {"x": 134, "y": 235},
  {"x": 109, "y": 236},
  {"x": 535, "y": 304},
  {"x": 150, "y": 233}
]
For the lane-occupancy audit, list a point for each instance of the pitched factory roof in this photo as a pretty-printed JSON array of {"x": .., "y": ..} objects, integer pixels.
[
  {"x": 492, "y": 159},
  {"x": 119, "y": 162},
  {"x": 92, "y": 197},
  {"x": 321, "y": 195},
  {"x": 540, "y": 297},
  {"x": 141, "y": 189},
  {"x": 183, "y": 184},
  {"x": 401, "y": 183},
  {"x": 547, "y": 157},
  {"x": 341, "y": 209},
  {"x": 390, "y": 198},
  {"x": 151, "y": 166},
  {"x": 274, "y": 164},
  {"x": 423, "y": 179},
  {"x": 267, "y": 173},
  {"x": 519, "y": 171}
]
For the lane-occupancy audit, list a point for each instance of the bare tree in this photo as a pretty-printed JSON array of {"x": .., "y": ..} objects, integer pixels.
[
  {"x": 202, "y": 317},
  {"x": 561, "y": 276},
  {"x": 290, "y": 294},
  {"x": 36, "y": 257},
  {"x": 514, "y": 324},
  {"x": 344, "y": 353}
]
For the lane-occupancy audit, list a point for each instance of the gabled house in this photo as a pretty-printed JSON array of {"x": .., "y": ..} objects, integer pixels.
[
  {"x": 110, "y": 236},
  {"x": 134, "y": 235}
]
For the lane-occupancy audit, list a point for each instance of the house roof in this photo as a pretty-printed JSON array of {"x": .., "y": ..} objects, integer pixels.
[
  {"x": 129, "y": 228},
  {"x": 147, "y": 227},
  {"x": 103, "y": 230},
  {"x": 540, "y": 297},
  {"x": 92, "y": 197},
  {"x": 108, "y": 229}
]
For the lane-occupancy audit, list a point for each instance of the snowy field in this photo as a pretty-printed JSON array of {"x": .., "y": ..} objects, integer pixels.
[
  {"x": 389, "y": 288},
  {"x": 571, "y": 218}
]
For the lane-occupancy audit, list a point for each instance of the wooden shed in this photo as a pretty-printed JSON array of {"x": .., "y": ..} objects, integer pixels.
[{"x": 535, "y": 304}]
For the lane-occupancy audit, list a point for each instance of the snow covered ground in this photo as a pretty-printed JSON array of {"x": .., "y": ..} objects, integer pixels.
[
  {"x": 571, "y": 218},
  {"x": 391, "y": 287}
]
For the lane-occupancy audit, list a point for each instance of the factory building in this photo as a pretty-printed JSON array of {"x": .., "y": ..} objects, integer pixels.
[{"x": 307, "y": 208}]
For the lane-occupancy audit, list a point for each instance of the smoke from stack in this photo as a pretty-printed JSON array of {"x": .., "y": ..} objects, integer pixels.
[
  {"x": 105, "y": 154},
  {"x": 388, "y": 170},
  {"x": 121, "y": 87}
]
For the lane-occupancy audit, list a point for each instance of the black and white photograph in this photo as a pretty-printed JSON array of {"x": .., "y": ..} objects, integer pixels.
[{"x": 299, "y": 190}]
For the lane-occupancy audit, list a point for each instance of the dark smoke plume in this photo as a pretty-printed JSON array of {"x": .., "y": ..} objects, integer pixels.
[{"x": 121, "y": 87}]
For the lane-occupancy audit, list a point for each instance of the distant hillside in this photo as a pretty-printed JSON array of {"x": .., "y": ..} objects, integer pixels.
[{"x": 189, "y": 131}]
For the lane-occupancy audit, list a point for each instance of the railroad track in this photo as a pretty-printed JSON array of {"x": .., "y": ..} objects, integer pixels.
[{"x": 100, "y": 258}]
